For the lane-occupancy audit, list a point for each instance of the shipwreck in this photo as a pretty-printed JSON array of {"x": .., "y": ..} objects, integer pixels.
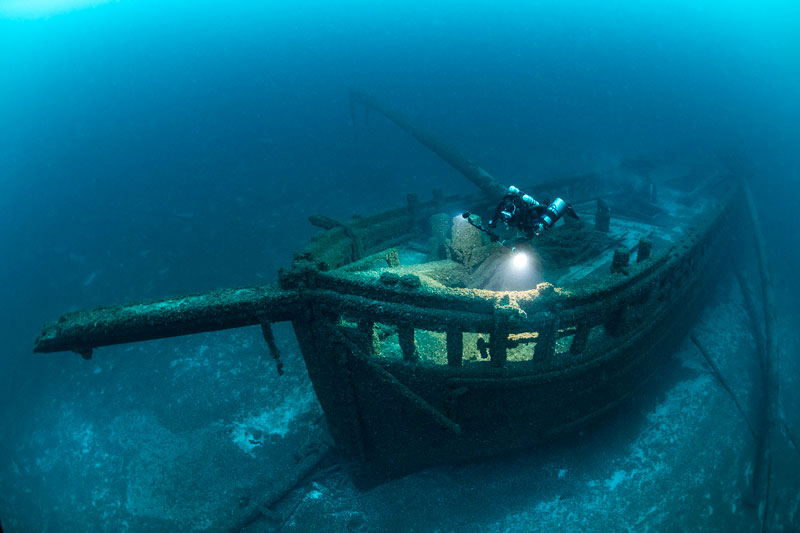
[{"x": 424, "y": 346}]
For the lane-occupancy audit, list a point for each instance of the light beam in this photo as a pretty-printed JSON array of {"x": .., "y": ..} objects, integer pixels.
[{"x": 520, "y": 260}]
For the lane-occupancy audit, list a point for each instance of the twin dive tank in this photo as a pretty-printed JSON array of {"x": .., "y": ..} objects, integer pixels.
[{"x": 554, "y": 211}]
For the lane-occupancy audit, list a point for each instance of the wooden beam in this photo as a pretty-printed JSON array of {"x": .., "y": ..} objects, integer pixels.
[{"x": 81, "y": 331}]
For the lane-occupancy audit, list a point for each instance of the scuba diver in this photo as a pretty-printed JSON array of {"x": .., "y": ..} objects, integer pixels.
[{"x": 523, "y": 213}]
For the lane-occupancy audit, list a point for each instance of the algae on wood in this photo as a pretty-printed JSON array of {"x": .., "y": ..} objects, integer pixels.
[{"x": 81, "y": 331}]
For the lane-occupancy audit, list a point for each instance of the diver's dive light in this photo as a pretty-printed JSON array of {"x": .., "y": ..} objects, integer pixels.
[{"x": 519, "y": 260}]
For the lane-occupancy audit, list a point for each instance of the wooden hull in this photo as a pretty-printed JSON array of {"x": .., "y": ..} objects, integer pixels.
[
  {"x": 501, "y": 411},
  {"x": 396, "y": 416}
]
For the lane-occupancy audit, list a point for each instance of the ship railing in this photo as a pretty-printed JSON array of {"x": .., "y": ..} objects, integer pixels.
[
  {"x": 566, "y": 326},
  {"x": 594, "y": 316}
]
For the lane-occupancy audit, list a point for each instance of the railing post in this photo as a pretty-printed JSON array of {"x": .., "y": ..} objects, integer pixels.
[
  {"x": 455, "y": 346},
  {"x": 498, "y": 339},
  {"x": 371, "y": 344},
  {"x": 621, "y": 259},
  {"x": 546, "y": 342},
  {"x": 408, "y": 344},
  {"x": 580, "y": 338},
  {"x": 645, "y": 247}
]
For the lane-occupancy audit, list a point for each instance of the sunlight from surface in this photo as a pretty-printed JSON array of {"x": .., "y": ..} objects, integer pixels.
[{"x": 43, "y": 8}]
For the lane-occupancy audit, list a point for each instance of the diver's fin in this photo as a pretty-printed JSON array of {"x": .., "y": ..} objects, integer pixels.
[{"x": 571, "y": 211}]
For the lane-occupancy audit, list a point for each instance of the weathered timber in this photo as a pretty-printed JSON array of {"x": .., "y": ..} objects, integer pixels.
[
  {"x": 770, "y": 380},
  {"x": 274, "y": 351},
  {"x": 81, "y": 331},
  {"x": 722, "y": 381},
  {"x": 414, "y": 400},
  {"x": 471, "y": 170}
]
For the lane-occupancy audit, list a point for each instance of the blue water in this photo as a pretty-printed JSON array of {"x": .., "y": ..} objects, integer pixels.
[{"x": 156, "y": 148}]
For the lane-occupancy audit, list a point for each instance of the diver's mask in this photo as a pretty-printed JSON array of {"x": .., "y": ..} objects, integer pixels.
[{"x": 508, "y": 212}]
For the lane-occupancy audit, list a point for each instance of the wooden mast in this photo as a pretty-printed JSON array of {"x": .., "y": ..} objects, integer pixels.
[{"x": 471, "y": 170}]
